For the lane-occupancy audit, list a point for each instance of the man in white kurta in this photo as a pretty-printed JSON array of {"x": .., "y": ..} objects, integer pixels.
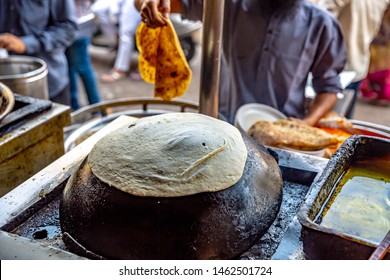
[{"x": 360, "y": 21}]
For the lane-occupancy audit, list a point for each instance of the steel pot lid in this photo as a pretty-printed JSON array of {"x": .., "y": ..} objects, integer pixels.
[{"x": 21, "y": 67}]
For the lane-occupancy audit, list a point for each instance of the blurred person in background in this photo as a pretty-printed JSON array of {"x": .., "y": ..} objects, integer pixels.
[
  {"x": 119, "y": 16},
  {"x": 107, "y": 14},
  {"x": 360, "y": 21},
  {"x": 79, "y": 60},
  {"x": 42, "y": 29},
  {"x": 376, "y": 86},
  {"x": 269, "y": 48}
]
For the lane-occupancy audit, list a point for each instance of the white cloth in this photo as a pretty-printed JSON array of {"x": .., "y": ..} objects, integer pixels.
[
  {"x": 85, "y": 18},
  {"x": 107, "y": 12},
  {"x": 129, "y": 20},
  {"x": 360, "y": 21}
]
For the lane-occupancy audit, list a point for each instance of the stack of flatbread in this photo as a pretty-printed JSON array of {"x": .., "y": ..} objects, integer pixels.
[
  {"x": 290, "y": 134},
  {"x": 162, "y": 61}
]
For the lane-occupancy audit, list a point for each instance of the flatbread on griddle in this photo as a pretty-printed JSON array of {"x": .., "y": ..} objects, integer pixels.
[
  {"x": 286, "y": 133},
  {"x": 169, "y": 155},
  {"x": 162, "y": 60}
]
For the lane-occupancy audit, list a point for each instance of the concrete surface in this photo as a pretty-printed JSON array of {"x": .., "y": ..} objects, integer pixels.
[{"x": 103, "y": 60}]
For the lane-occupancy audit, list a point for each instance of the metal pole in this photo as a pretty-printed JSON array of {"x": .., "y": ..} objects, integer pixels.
[{"x": 213, "y": 11}]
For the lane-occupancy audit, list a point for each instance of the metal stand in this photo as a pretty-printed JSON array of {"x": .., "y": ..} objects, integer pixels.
[{"x": 211, "y": 56}]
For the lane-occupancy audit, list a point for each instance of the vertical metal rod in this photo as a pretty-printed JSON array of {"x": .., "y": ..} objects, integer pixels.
[{"x": 213, "y": 12}]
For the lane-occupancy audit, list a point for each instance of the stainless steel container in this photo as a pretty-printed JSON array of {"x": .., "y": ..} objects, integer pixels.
[
  {"x": 322, "y": 242},
  {"x": 25, "y": 75}
]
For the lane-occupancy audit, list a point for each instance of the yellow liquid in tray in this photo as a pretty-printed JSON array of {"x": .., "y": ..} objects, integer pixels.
[{"x": 360, "y": 205}]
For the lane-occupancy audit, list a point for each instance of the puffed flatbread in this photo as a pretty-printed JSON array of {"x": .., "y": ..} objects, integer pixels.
[
  {"x": 286, "y": 133},
  {"x": 162, "y": 60},
  {"x": 170, "y": 155}
]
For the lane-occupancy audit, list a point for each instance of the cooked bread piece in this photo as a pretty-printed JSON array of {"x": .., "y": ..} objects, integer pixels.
[
  {"x": 162, "y": 61},
  {"x": 170, "y": 155},
  {"x": 286, "y": 133}
]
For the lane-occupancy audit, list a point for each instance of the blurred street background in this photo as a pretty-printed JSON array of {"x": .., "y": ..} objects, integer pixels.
[{"x": 103, "y": 60}]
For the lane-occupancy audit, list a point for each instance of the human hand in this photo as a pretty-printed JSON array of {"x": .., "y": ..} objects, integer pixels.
[
  {"x": 13, "y": 43},
  {"x": 153, "y": 12},
  {"x": 301, "y": 121}
]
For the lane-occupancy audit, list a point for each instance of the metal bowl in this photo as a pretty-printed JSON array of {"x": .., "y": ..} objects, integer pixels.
[
  {"x": 7, "y": 101},
  {"x": 25, "y": 75},
  {"x": 89, "y": 119}
]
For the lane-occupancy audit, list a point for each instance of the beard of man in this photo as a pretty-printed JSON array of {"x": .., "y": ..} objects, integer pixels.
[{"x": 278, "y": 7}]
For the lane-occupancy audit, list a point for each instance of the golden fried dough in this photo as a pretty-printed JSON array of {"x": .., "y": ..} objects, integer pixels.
[
  {"x": 162, "y": 60},
  {"x": 286, "y": 133}
]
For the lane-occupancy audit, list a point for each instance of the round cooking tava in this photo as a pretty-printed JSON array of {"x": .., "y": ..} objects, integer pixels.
[
  {"x": 170, "y": 155},
  {"x": 162, "y": 60}
]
